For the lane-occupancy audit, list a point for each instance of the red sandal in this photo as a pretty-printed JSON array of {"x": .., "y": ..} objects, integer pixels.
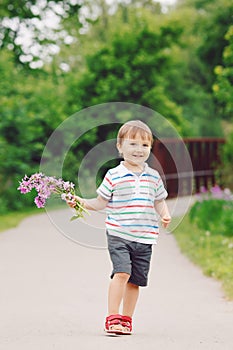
[
  {"x": 113, "y": 324},
  {"x": 126, "y": 322}
]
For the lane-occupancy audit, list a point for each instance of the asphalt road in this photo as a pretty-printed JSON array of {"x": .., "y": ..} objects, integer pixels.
[{"x": 53, "y": 292}]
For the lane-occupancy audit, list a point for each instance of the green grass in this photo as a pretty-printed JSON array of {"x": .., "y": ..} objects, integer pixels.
[
  {"x": 213, "y": 253},
  {"x": 13, "y": 219}
]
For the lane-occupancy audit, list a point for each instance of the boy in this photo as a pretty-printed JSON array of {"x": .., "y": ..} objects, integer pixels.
[{"x": 133, "y": 194}]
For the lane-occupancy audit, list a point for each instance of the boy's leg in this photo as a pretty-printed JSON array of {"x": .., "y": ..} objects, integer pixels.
[
  {"x": 116, "y": 292},
  {"x": 130, "y": 299},
  {"x": 120, "y": 257},
  {"x": 119, "y": 290}
]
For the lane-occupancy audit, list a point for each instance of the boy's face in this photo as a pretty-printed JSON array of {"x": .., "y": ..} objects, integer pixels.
[{"x": 135, "y": 151}]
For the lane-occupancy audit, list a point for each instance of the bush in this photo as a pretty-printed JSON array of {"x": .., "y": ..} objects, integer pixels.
[
  {"x": 213, "y": 211},
  {"x": 226, "y": 171}
]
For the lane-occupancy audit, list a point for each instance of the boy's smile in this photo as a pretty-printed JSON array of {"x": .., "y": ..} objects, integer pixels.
[{"x": 135, "y": 151}]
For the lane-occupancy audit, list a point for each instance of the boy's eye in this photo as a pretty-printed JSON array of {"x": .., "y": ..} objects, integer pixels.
[{"x": 143, "y": 145}]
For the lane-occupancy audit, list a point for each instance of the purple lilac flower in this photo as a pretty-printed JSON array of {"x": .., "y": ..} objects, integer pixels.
[
  {"x": 203, "y": 189},
  {"x": 25, "y": 185},
  {"x": 203, "y": 194},
  {"x": 216, "y": 192},
  {"x": 23, "y": 189},
  {"x": 45, "y": 186},
  {"x": 40, "y": 202}
]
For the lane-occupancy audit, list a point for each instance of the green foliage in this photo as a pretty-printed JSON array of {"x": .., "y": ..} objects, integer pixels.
[
  {"x": 209, "y": 22},
  {"x": 214, "y": 20},
  {"x": 221, "y": 220},
  {"x": 21, "y": 17},
  {"x": 227, "y": 154},
  {"x": 215, "y": 37},
  {"x": 137, "y": 54},
  {"x": 223, "y": 87},
  {"x": 133, "y": 69},
  {"x": 226, "y": 170},
  {"x": 29, "y": 113}
]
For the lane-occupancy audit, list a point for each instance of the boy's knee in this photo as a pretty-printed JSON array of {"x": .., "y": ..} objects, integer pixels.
[{"x": 122, "y": 276}]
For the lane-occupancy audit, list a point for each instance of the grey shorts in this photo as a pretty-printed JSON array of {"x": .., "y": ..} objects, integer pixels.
[{"x": 130, "y": 257}]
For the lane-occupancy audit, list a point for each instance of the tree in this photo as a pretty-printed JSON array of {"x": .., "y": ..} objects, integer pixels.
[
  {"x": 31, "y": 108},
  {"x": 31, "y": 29},
  {"x": 223, "y": 87},
  {"x": 215, "y": 17},
  {"x": 134, "y": 68}
]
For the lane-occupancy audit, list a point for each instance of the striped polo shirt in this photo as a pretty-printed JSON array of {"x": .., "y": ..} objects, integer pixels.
[{"x": 130, "y": 211}]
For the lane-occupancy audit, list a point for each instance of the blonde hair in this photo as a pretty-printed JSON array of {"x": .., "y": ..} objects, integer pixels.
[{"x": 133, "y": 129}]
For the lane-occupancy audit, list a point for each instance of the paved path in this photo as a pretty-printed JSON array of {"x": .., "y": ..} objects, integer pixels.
[{"x": 53, "y": 295}]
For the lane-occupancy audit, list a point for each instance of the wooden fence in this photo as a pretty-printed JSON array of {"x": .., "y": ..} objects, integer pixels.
[{"x": 187, "y": 164}]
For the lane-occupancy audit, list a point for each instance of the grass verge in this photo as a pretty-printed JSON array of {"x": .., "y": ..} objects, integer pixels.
[
  {"x": 13, "y": 219},
  {"x": 212, "y": 252}
]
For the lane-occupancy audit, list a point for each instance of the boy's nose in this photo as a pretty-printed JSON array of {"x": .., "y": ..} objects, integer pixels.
[{"x": 139, "y": 148}]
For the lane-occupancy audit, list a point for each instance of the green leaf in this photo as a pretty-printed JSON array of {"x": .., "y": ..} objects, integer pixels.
[{"x": 74, "y": 217}]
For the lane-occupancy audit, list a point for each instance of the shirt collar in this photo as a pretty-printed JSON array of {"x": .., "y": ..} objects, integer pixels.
[{"x": 125, "y": 171}]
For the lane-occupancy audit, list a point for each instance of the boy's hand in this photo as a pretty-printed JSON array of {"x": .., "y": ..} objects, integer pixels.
[
  {"x": 166, "y": 221},
  {"x": 72, "y": 204},
  {"x": 96, "y": 204}
]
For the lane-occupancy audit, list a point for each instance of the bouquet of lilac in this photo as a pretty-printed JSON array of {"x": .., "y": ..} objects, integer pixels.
[{"x": 45, "y": 186}]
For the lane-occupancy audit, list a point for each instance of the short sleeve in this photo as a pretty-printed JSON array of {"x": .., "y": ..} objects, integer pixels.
[
  {"x": 105, "y": 189},
  {"x": 160, "y": 191}
]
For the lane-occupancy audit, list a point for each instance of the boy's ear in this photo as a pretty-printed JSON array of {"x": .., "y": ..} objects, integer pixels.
[{"x": 118, "y": 147}]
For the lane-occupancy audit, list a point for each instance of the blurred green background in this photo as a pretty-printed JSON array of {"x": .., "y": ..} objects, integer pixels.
[{"x": 59, "y": 57}]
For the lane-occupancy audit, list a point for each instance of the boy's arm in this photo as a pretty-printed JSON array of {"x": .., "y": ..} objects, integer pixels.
[
  {"x": 96, "y": 204},
  {"x": 162, "y": 210}
]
